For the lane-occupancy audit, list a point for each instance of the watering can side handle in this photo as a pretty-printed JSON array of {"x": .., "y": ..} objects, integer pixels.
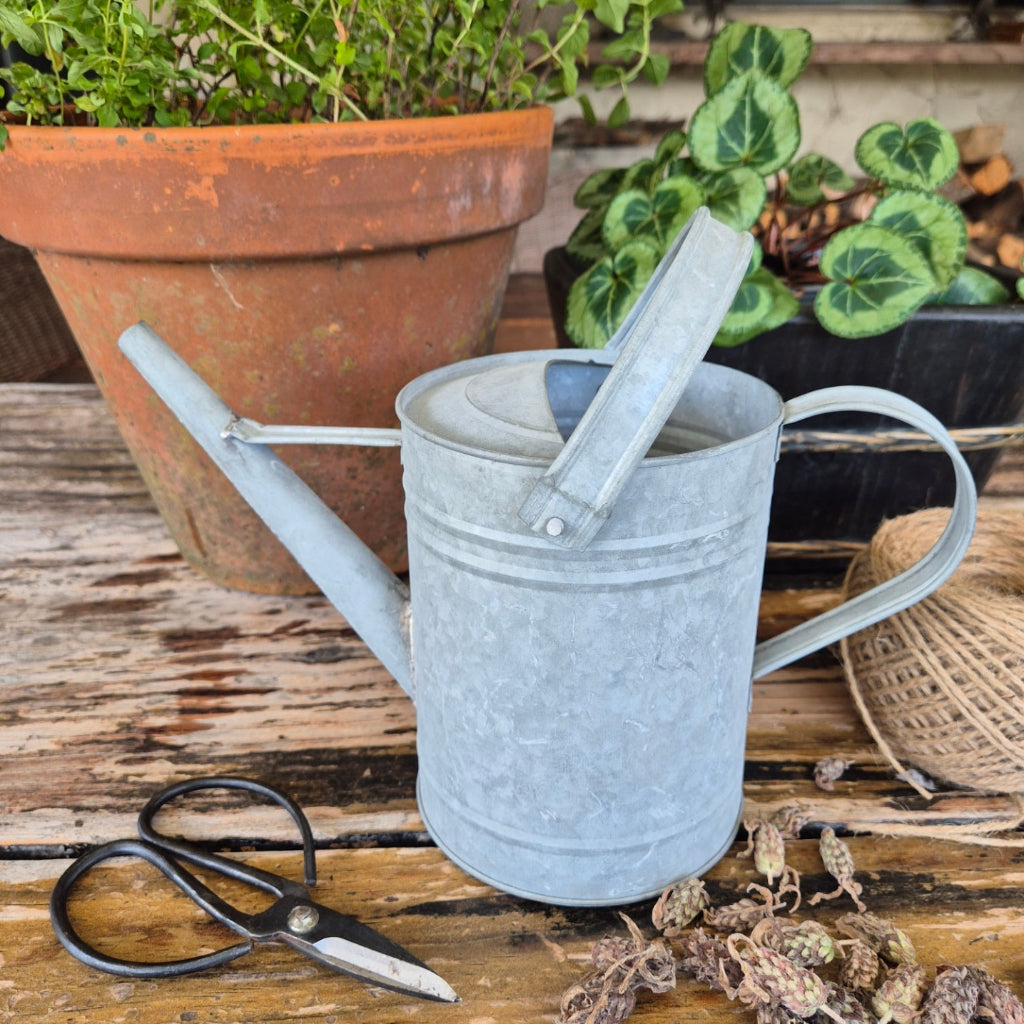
[{"x": 910, "y": 586}]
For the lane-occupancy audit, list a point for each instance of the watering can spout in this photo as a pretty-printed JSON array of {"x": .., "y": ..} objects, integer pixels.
[{"x": 373, "y": 600}]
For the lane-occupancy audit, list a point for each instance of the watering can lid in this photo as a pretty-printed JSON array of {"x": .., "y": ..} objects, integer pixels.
[{"x": 513, "y": 406}]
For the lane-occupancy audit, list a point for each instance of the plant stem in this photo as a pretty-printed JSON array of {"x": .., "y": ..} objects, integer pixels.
[{"x": 337, "y": 93}]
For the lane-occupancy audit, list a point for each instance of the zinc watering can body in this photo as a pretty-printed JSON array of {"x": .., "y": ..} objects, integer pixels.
[{"x": 586, "y": 543}]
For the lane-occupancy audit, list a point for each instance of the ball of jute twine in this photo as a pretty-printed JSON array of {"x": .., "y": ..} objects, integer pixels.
[{"x": 941, "y": 684}]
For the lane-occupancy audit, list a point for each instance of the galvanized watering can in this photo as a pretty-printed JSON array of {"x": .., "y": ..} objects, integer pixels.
[{"x": 580, "y": 635}]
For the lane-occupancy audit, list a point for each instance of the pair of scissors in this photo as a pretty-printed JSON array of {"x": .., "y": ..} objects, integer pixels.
[{"x": 325, "y": 935}]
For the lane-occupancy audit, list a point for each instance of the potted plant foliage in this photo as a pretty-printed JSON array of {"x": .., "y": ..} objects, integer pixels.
[
  {"x": 852, "y": 282},
  {"x": 275, "y": 187}
]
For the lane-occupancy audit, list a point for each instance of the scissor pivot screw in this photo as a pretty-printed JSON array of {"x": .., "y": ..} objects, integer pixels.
[{"x": 302, "y": 919}]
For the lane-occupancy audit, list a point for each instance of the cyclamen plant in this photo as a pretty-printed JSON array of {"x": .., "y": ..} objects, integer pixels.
[
  {"x": 739, "y": 158},
  {"x": 195, "y": 62}
]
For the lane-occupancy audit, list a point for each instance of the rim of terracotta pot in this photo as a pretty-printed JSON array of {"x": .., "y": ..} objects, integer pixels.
[{"x": 236, "y": 192}]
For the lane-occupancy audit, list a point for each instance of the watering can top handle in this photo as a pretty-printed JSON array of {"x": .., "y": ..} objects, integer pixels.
[
  {"x": 657, "y": 348},
  {"x": 910, "y": 586}
]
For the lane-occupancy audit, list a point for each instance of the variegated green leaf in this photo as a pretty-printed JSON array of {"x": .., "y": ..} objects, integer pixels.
[
  {"x": 877, "y": 280},
  {"x": 751, "y": 122},
  {"x": 973, "y": 287},
  {"x": 629, "y": 214},
  {"x": 934, "y": 225},
  {"x": 923, "y": 155},
  {"x": 586, "y": 243},
  {"x": 762, "y": 303},
  {"x": 1020, "y": 287},
  {"x": 599, "y": 300},
  {"x": 736, "y": 198},
  {"x": 684, "y": 165},
  {"x": 669, "y": 147},
  {"x": 812, "y": 175},
  {"x": 656, "y": 219},
  {"x": 781, "y": 54},
  {"x": 643, "y": 174},
  {"x": 756, "y": 257},
  {"x": 599, "y": 188}
]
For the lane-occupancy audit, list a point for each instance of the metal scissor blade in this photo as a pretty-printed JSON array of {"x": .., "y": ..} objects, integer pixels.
[{"x": 381, "y": 968}]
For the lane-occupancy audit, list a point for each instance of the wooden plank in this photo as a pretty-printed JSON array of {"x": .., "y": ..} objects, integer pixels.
[
  {"x": 509, "y": 959},
  {"x": 682, "y": 54}
]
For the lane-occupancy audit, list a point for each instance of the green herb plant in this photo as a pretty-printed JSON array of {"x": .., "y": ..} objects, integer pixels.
[
  {"x": 739, "y": 158},
  {"x": 196, "y": 62}
]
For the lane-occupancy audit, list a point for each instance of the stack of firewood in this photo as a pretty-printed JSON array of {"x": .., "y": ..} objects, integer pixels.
[{"x": 991, "y": 198}]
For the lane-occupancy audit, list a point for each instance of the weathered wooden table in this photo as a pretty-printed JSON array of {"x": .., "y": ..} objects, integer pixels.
[{"x": 122, "y": 669}]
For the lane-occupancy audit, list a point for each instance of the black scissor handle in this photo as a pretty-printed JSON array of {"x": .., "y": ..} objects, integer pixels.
[
  {"x": 222, "y": 865},
  {"x": 79, "y": 948},
  {"x": 164, "y": 852}
]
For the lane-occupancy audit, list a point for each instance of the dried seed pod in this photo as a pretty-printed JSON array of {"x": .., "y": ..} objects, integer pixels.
[
  {"x": 844, "y": 1002},
  {"x": 996, "y": 1003},
  {"x": 892, "y": 944},
  {"x": 860, "y": 965},
  {"x": 678, "y": 905},
  {"x": 707, "y": 959},
  {"x": 769, "y": 1013},
  {"x": 645, "y": 965},
  {"x": 742, "y": 915},
  {"x": 593, "y": 1002},
  {"x": 953, "y": 998},
  {"x": 807, "y": 944},
  {"x": 770, "y": 977},
  {"x": 610, "y": 950},
  {"x": 623, "y": 966},
  {"x": 790, "y": 820},
  {"x": 838, "y": 861},
  {"x": 765, "y": 841},
  {"x": 828, "y": 770},
  {"x": 899, "y": 997}
]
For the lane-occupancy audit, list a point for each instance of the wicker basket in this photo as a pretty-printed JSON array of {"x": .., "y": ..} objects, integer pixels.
[{"x": 35, "y": 339}]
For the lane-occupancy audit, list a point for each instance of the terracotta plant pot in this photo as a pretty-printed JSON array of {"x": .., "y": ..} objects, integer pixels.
[{"x": 306, "y": 271}]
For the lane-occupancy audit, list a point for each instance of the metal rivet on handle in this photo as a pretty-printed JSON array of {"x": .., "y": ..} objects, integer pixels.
[
  {"x": 302, "y": 919},
  {"x": 554, "y": 527}
]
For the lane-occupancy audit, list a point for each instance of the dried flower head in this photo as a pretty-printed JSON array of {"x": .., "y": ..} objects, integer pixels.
[
  {"x": 838, "y": 861},
  {"x": 623, "y": 967},
  {"x": 807, "y": 944},
  {"x": 610, "y": 950},
  {"x": 770, "y": 977},
  {"x": 860, "y": 966},
  {"x": 646, "y": 964},
  {"x": 679, "y": 905},
  {"x": 790, "y": 820},
  {"x": 845, "y": 1003},
  {"x": 770, "y": 1013},
  {"x": 765, "y": 842},
  {"x": 996, "y": 1003},
  {"x": 706, "y": 958},
  {"x": 590, "y": 1001},
  {"x": 828, "y": 770},
  {"x": 742, "y": 915},
  {"x": 899, "y": 997},
  {"x": 952, "y": 999},
  {"x": 892, "y": 944}
]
